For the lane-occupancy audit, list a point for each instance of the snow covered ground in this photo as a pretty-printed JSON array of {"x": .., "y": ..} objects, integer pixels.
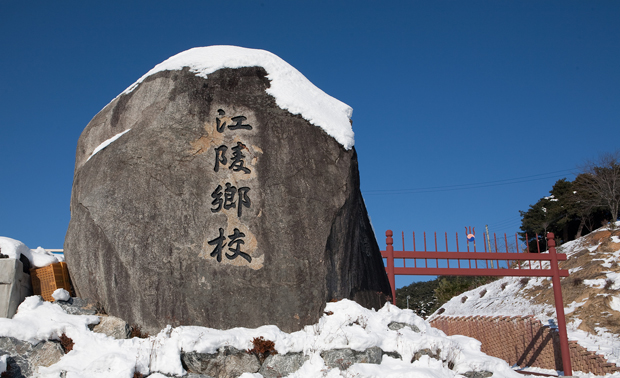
[{"x": 348, "y": 325}]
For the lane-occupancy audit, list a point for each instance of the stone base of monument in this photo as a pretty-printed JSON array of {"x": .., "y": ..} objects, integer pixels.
[{"x": 14, "y": 286}]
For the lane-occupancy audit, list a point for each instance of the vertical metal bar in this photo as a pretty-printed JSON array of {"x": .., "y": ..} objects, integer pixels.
[
  {"x": 538, "y": 248},
  {"x": 517, "y": 245},
  {"x": 486, "y": 262},
  {"x": 466, "y": 240},
  {"x": 559, "y": 306},
  {"x": 527, "y": 244},
  {"x": 528, "y": 249},
  {"x": 457, "y": 248},
  {"x": 415, "y": 261},
  {"x": 404, "y": 259},
  {"x": 389, "y": 249},
  {"x": 436, "y": 260},
  {"x": 446, "y": 236},
  {"x": 425, "y": 260},
  {"x": 505, "y": 243},
  {"x": 495, "y": 242},
  {"x": 474, "y": 233}
]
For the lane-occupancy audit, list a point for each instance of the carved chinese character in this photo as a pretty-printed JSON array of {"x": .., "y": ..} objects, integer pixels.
[
  {"x": 244, "y": 199},
  {"x": 236, "y": 162},
  {"x": 229, "y": 196},
  {"x": 219, "y": 125},
  {"x": 217, "y": 199},
  {"x": 235, "y": 246},
  {"x": 238, "y": 123},
  {"x": 220, "y": 157},
  {"x": 229, "y": 200},
  {"x": 219, "y": 244}
]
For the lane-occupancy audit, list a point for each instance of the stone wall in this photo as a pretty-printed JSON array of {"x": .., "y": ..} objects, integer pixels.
[
  {"x": 14, "y": 286},
  {"x": 523, "y": 341}
]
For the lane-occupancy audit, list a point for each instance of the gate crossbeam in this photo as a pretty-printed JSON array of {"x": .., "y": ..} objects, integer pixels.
[{"x": 476, "y": 272}]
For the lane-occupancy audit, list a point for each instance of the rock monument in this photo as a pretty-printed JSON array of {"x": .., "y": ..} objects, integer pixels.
[{"x": 222, "y": 190}]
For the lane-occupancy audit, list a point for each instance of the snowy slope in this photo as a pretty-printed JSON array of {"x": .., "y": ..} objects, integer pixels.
[{"x": 591, "y": 295}]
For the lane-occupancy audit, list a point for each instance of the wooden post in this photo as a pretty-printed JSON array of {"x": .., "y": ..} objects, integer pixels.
[{"x": 389, "y": 249}]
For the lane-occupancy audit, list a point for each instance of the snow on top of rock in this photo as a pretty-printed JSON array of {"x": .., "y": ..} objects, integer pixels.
[
  {"x": 106, "y": 143},
  {"x": 14, "y": 249},
  {"x": 291, "y": 90}
]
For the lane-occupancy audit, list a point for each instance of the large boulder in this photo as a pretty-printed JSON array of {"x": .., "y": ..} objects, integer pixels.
[{"x": 198, "y": 198}]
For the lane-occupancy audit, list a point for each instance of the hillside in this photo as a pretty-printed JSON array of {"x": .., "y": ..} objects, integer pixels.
[{"x": 591, "y": 294}]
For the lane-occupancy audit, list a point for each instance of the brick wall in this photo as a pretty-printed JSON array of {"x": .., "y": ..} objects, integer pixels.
[{"x": 523, "y": 341}]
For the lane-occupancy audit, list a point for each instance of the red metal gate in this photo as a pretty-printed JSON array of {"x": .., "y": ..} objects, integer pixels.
[{"x": 517, "y": 264}]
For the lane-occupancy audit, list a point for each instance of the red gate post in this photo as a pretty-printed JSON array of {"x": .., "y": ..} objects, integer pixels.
[
  {"x": 389, "y": 249},
  {"x": 559, "y": 306}
]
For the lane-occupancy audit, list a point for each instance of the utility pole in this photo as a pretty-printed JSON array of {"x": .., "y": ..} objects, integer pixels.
[{"x": 489, "y": 242}]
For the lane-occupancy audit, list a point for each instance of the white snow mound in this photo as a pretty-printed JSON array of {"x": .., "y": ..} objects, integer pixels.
[
  {"x": 14, "y": 249},
  {"x": 344, "y": 325},
  {"x": 291, "y": 90},
  {"x": 61, "y": 295}
]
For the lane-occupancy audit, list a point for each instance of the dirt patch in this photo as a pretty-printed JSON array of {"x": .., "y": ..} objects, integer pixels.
[{"x": 586, "y": 284}]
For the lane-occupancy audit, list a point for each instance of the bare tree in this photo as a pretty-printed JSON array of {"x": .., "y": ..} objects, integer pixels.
[{"x": 600, "y": 183}]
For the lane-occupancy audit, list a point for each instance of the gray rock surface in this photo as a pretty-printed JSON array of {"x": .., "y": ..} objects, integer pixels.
[
  {"x": 436, "y": 354},
  {"x": 344, "y": 358},
  {"x": 78, "y": 306},
  {"x": 113, "y": 327},
  {"x": 190, "y": 375},
  {"x": 228, "y": 362},
  {"x": 395, "y": 326},
  {"x": 478, "y": 374},
  {"x": 152, "y": 233},
  {"x": 281, "y": 365},
  {"x": 26, "y": 358}
]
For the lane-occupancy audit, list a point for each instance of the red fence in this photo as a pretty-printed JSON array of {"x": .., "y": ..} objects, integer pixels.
[{"x": 477, "y": 264}]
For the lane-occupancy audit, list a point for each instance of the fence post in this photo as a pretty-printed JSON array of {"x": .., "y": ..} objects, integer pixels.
[
  {"x": 559, "y": 306},
  {"x": 389, "y": 249}
]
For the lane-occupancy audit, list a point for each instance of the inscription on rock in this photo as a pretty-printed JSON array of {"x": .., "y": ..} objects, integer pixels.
[{"x": 234, "y": 161}]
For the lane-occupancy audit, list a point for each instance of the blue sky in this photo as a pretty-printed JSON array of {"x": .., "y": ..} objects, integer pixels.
[{"x": 464, "y": 112}]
